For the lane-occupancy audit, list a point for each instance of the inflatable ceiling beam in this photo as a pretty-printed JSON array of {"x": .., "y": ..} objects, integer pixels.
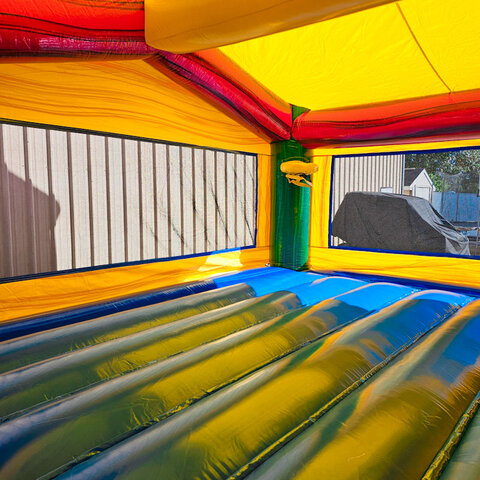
[
  {"x": 221, "y": 82},
  {"x": 56, "y": 28},
  {"x": 53, "y": 30},
  {"x": 191, "y": 25},
  {"x": 440, "y": 117}
]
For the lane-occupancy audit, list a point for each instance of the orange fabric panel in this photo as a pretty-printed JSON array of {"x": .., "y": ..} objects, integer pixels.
[{"x": 264, "y": 202}]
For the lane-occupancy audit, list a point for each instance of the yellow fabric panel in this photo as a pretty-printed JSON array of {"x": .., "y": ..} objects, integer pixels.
[
  {"x": 363, "y": 58},
  {"x": 192, "y": 25},
  {"x": 264, "y": 204},
  {"x": 451, "y": 271},
  {"x": 125, "y": 97},
  {"x": 33, "y": 297},
  {"x": 447, "y": 270},
  {"x": 320, "y": 200},
  {"x": 413, "y": 48},
  {"x": 447, "y": 30},
  {"x": 36, "y": 296}
]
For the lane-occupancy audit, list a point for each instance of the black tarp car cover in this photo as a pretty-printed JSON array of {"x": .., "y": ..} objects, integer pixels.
[{"x": 386, "y": 221}]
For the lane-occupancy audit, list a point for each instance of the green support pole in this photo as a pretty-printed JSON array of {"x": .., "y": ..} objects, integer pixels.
[{"x": 290, "y": 208}]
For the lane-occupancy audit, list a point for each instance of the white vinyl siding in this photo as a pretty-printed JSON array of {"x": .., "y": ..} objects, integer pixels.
[
  {"x": 72, "y": 200},
  {"x": 365, "y": 173}
]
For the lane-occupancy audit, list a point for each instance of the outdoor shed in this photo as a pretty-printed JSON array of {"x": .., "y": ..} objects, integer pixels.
[{"x": 417, "y": 183}]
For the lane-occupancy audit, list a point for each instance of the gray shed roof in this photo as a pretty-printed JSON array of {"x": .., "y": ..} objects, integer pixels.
[{"x": 411, "y": 174}]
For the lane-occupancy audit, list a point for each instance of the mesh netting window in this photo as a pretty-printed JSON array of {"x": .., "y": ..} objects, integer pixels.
[
  {"x": 421, "y": 202},
  {"x": 72, "y": 200}
]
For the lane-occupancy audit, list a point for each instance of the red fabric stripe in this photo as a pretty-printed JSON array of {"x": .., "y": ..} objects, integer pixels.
[
  {"x": 434, "y": 118},
  {"x": 18, "y": 43},
  {"x": 245, "y": 105},
  {"x": 88, "y": 14},
  {"x": 75, "y": 28}
]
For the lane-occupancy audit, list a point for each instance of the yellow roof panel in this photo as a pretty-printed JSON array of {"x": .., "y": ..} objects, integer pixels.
[
  {"x": 449, "y": 34},
  {"x": 413, "y": 48}
]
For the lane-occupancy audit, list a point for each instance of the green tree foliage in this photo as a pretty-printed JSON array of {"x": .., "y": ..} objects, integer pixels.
[{"x": 466, "y": 162}]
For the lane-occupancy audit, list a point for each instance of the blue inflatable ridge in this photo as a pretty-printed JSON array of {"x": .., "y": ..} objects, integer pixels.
[
  {"x": 268, "y": 280},
  {"x": 443, "y": 296},
  {"x": 227, "y": 279},
  {"x": 281, "y": 281},
  {"x": 324, "y": 288},
  {"x": 375, "y": 296}
]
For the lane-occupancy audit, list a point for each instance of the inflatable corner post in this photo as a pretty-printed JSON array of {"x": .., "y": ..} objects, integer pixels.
[{"x": 291, "y": 207}]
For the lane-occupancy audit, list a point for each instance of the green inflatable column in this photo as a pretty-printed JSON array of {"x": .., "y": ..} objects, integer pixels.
[{"x": 290, "y": 208}]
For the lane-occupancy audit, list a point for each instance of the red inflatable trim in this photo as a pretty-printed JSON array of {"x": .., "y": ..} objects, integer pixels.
[
  {"x": 441, "y": 117},
  {"x": 48, "y": 28},
  {"x": 227, "y": 86}
]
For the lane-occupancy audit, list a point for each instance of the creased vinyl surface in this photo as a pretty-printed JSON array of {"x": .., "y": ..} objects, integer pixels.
[
  {"x": 393, "y": 426},
  {"x": 464, "y": 464},
  {"x": 33, "y": 348},
  {"x": 223, "y": 434},
  {"x": 60, "y": 375},
  {"x": 212, "y": 385}
]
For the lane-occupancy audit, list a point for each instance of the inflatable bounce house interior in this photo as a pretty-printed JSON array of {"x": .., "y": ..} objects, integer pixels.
[{"x": 240, "y": 239}]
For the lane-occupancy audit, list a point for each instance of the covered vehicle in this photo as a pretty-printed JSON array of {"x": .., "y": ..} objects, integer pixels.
[{"x": 387, "y": 221}]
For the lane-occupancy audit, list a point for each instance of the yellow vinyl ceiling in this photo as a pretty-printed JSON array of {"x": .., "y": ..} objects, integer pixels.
[{"x": 407, "y": 49}]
